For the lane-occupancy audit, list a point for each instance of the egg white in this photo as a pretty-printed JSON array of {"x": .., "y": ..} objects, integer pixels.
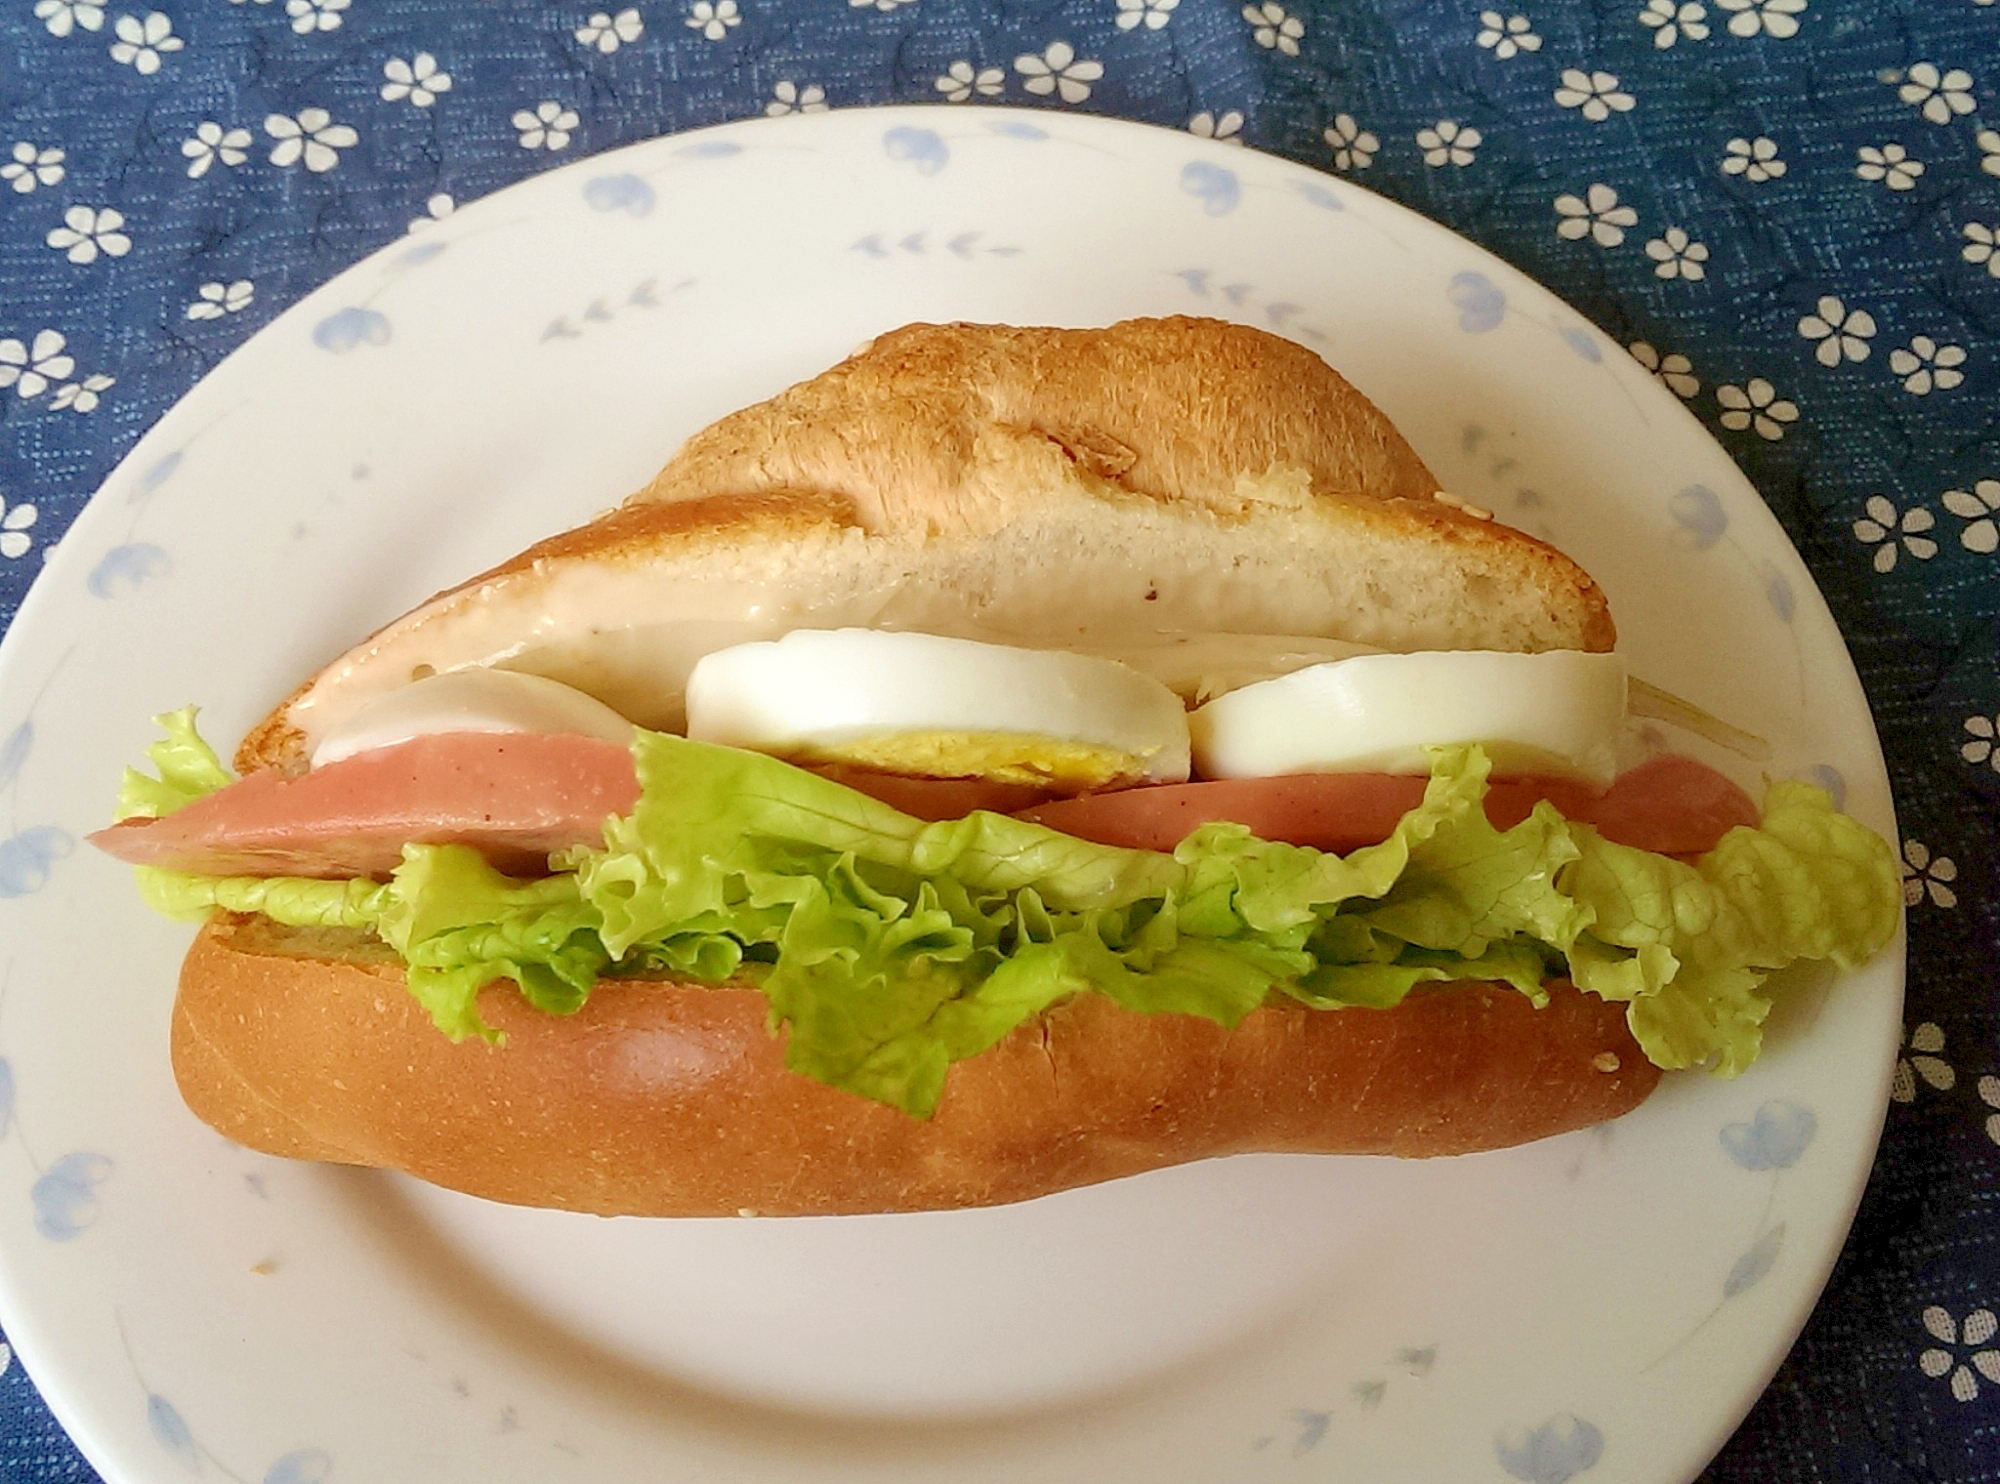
[
  {"x": 930, "y": 706},
  {"x": 471, "y": 700},
  {"x": 1554, "y": 714}
]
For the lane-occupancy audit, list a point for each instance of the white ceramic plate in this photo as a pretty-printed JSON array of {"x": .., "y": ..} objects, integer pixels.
[{"x": 1608, "y": 1303}]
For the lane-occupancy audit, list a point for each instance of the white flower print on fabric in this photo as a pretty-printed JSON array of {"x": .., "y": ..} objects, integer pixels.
[
  {"x": 418, "y": 79},
  {"x": 1506, "y": 36},
  {"x": 14, "y": 523},
  {"x": 1677, "y": 371},
  {"x": 1927, "y": 875},
  {"x": 1058, "y": 70},
  {"x": 1840, "y": 331},
  {"x": 1926, "y": 364},
  {"x": 1773, "y": 17},
  {"x": 713, "y": 18},
  {"x": 1974, "y": 1338},
  {"x": 960, "y": 81},
  {"x": 32, "y": 166},
  {"x": 1756, "y": 405},
  {"x": 1446, "y": 143},
  {"x": 1676, "y": 255},
  {"x": 1883, "y": 527},
  {"x": 1923, "y": 1044},
  {"x": 882, "y": 5},
  {"x": 547, "y": 126},
  {"x": 1977, "y": 506},
  {"x": 313, "y": 137},
  {"x": 65, "y": 16},
  {"x": 1353, "y": 146},
  {"x": 1271, "y": 27},
  {"x": 1891, "y": 164},
  {"x": 1989, "y": 1094},
  {"x": 1152, "y": 14},
  {"x": 789, "y": 97},
  {"x": 218, "y": 299},
  {"x": 1753, "y": 159},
  {"x": 1595, "y": 93},
  {"x": 1671, "y": 20},
  {"x": 1981, "y": 240},
  {"x": 436, "y": 210},
  {"x": 141, "y": 44},
  {"x": 29, "y": 368},
  {"x": 1980, "y": 728},
  {"x": 1988, "y": 141},
  {"x": 1596, "y": 214},
  {"x": 81, "y": 396},
  {"x": 608, "y": 32},
  {"x": 309, "y": 16},
  {"x": 1938, "y": 96},
  {"x": 1226, "y": 128},
  {"x": 212, "y": 142},
  {"x": 85, "y": 233}
]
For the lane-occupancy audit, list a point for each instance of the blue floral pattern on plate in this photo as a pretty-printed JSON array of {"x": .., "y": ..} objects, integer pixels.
[
  {"x": 351, "y": 328},
  {"x": 1553, "y": 1453}
]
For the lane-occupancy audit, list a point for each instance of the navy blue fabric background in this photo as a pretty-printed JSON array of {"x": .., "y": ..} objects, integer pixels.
[{"x": 1776, "y": 156}]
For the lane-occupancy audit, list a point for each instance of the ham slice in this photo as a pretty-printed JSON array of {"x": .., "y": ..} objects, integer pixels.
[
  {"x": 515, "y": 796},
  {"x": 518, "y": 797},
  {"x": 1673, "y": 805},
  {"x": 1670, "y": 804}
]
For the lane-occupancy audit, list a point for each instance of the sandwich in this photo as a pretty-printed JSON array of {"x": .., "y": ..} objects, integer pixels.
[{"x": 1013, "y": 759}]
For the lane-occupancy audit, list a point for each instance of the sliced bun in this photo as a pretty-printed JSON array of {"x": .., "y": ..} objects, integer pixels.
[
  {"x": 1066, "y": 488},
  {"x": 670, "y": 1099}
]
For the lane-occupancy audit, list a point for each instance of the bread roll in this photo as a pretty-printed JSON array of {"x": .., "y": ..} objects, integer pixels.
[{"x": 663, "y": 1099}]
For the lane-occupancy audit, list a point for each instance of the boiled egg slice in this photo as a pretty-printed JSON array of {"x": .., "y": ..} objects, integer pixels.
[
  {"x": 931, "y": 707},
  {"x": 471, "y": 700},
  {"x": 1537, "y": 715}
]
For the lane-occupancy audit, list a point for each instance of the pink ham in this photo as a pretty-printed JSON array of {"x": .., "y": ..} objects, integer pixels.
[
  {"x": 514, "y": 796},
  {"x": 1671, "y": 804},
  {"x": 518, "y": 797}
]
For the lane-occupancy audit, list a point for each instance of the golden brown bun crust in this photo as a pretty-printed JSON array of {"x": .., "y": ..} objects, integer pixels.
[
  {"x": 669, "y": 1099},
  {"x": 982, "y": 459},
  {"x": 1173, "y": 409}
]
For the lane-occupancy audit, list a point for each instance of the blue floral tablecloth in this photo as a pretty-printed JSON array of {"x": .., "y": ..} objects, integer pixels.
[{"x": 1788, "y": 210}]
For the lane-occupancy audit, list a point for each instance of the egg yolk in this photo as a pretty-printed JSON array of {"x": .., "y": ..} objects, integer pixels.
[{"x": 1005, "y": 757}]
